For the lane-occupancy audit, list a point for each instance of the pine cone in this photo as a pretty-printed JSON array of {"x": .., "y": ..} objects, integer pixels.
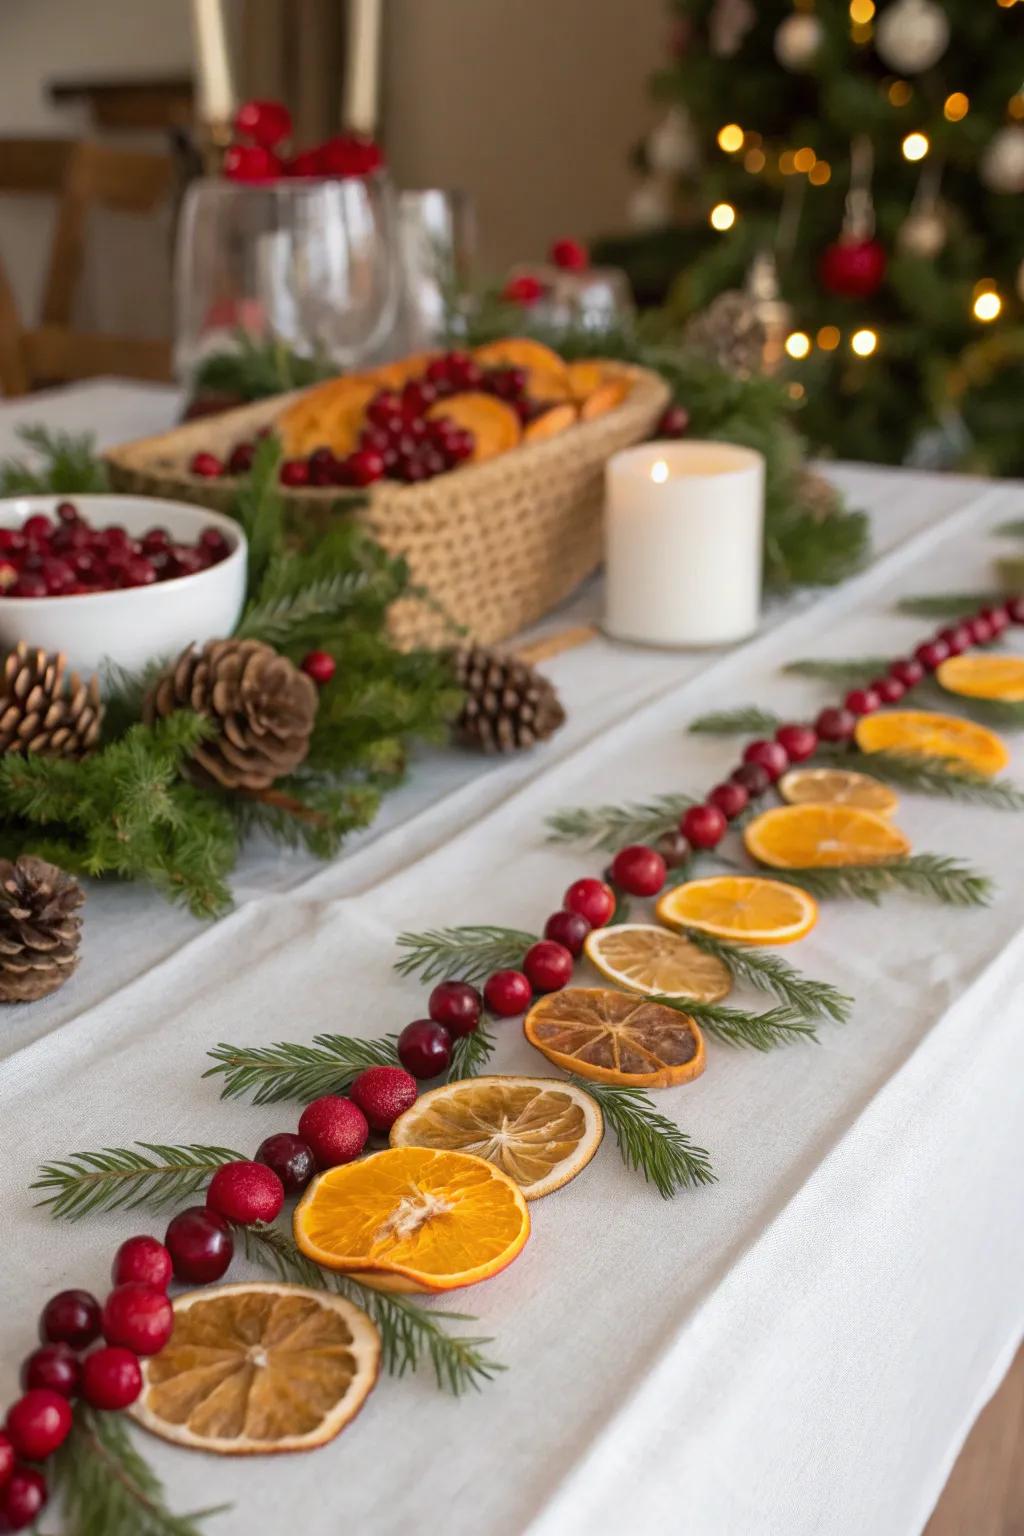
[
  {"x": 729, "y": 332},
  {"x": 508, "y": 705},
  {"x": 39, "y": 928},
  {"x": 263, "y": 705},
  {"x": 41, "y": 713}
]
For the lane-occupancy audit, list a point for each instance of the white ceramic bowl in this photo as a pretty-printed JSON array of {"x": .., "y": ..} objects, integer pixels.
[{"x": 135, "y": 624}]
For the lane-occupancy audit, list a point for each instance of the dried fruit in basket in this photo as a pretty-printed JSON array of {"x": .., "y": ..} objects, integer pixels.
[
  {"x": 585, "y": 377},
  {"x": 922, "y": 731},
  {"x": 550, "y": 423},
  {"x": 546, "y": 374},
  {"x": 747, "y": 908},
  {"x": 823, "y": 837},
  {"x": 644, "y": 958},
  {"x": 605, "y": 398},
  {"x": 616, "y": 1037},
  {"x": 394, "y": 375},
  {"x": 494, "y": 425},
  {"x": 329, "y": 416}
]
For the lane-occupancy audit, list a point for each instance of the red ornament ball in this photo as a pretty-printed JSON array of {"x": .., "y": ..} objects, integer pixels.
[
  {"x": 290, "y": 1158},
  {"x": 245, "y": 1192},
  {"x": 425, "y": 1048},
  {"x": 265, "y": 122},
  {"x": 729, "y": 798},
  {"x": 38, "y": 1423},
  {"x": 525, "y": 289},
  {"x": 754, "y": 778},
  {"x": 799, "y": 742},
  {"x": 703, "y": 825},
  {"x": 592, "y": 899},
  {"x": 334, "y": 1129},
  {"x": 507, "y": 993},
  {"x": 457, "y": 1006},
  {"x": 145, "y": 1260},
  {"x": 862, "y": 701},
  {"x": 23, "y": 1498},
  {"x": 932, "y": 654},
  {"x": 320, "y": 666},
  {"x": 889, "y": 689},
  {"x": 200, "y": 1244},
  {"x": 70, "y": 1317},
  {"x": 111, "y": 1378},
  {"x": 54, "y": 1367},
  {"x": 570, "y": 255},
  {"x": 853, "y": 268},
  {"x": 906, "y": 670},
  {"x": 640, "y": 870},
  {"x": 771, "y": 755},
  {"x": 138, "y": 1318},
  {"x": 835, "y": 724},
  {"x": 568, "y": 929},
  {"x": 250, "y": 163},
  {"x": 548, "y": 965},
  {"x": 674, "y": 421},
  {"x": 383, "y": 1093}
]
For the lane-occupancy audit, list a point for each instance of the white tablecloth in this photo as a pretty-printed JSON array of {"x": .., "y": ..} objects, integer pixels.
[{"x": 799, "y": 1349}]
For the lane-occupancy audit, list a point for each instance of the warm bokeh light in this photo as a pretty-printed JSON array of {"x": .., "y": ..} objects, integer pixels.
[
  {"x": 956, "y": 107},
  {"x": 862, "y": 10},
  {"x": 1015, "y": 105},
  {"x": 804, "y": 159},
  {"x": 723, "y": 216},
  {"x": 862, "y": 32},
  {"x": 787, "y": 162},
  {"x": 899, "y": 93},
  {"x": 987, "y": 306},
  {"x": 753, "y": 160},
  {"x": 798, "y": 344},
  {"x": 795, "y": 390},
  {"x": 864, "y": 342},
  {"x": 730, "y": 138},
  {"x": 915, "y": 146},
  {"x": 819, "y": 173},
  {"x": 828, "y": 338}
]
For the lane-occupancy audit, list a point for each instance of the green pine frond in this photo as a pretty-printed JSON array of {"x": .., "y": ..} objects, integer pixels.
[
  {"x": 259, "y": 507},
  {"x": 748, "y": 720},
  {"x": 648, "y": 1141},
  {"x": 847, "y": 672},
  {"x": 289, "y": 1070},
  {"x": 63, "y": 463},
  {"x": 944, "y": 879},
  {"x": 610, "y": 827},
  {"x": 942, "y": 776},
  {"x": 468, "y": 953},
  {"x": 740, "y": 1027},
  {"x": 947, "y": 605},
  {"x": 1014, "y": 529},
  {"x": 801, "y": 996},
  {"x": 127, "y": 1177},
  {"x": 471, "y": 1054}
]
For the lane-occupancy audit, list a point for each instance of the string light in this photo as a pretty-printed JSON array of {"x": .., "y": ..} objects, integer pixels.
[
  {"x": 754, "y": 160},
  {"x": 795, "y": 390},
  {"x": 987, "y": 303},
  {"x": 730, "y": 138},
  {"x": 899, "y": 93},
  {"x": 861, "y": 11},
  {"x": 722, "y": 216},
  {"x": 861, "y": 32},
  {"x": 864, "y": 342},
  {"x": 805, "y": 159},
  {"x": 956, "y": 107},
  {"x": 819, "y": 173},
  {"x": 798, "y": 344},
  {"x": 828, "y": 338},
  {"x": 1015, "y": 105},
  {"x": 915, "y": 146},
  {"x": 787, "y": 162}
]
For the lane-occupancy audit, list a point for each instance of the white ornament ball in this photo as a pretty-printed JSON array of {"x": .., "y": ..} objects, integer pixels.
[
  {"x": 922, "y": 234},
  {"x": 672, "y": 146},
  {"x": 797, "y": 40},
  {"x": 650, "y": 205},
  {"x": 912, "y": 35},
  {"x": 1002, "y": 164}
]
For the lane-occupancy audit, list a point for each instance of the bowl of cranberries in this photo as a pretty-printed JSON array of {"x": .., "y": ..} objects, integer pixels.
[{"x": 123, "y": 579}]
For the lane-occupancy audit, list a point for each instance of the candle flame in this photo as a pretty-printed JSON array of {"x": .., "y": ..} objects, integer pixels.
[{"x": 659, "y": 472}]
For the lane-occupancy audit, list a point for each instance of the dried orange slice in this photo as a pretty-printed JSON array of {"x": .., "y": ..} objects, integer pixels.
[
  {"x": 437, "y": 1219},
  {"x": 933, "y": 735},
  {"x": 822, "y": 837},
  {"x": 644, "y": 958},
  {"x": 394, "y": 375},
  {"x": 546, "y": 377},
  {"x": 329, "y": 415},
  {"x": 837, "y": 786},
  {"x": 604, "y": 399},
  {"x": 540, "y": 1131},
  {"x": 984, "y": 677},
  {"x": 550, "y": 423},
  {"x": 494, "y": 425},
  {"x": 255, "y": 1368},
  {"x": 616, "y": 1037},
  {"x": 747, "y": 908},
  {"x": 585, "y": 377}
]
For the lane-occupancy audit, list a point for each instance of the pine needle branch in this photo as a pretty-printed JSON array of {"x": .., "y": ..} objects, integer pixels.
[
  {"x": 1014, "y": 529},
  {"x": 410, "y": 1334},
  {"x": 942, "y": 776},
  {"x": 610, "y": 827},
  {"x": 471, "y": 952},
  {"x": 125, "y": 1178},
  {"x": 288, "y": 1070},
  {"x": 1000, "y": 714},
  {"x": 748, "y": 720},
  {"x": 947, "y": 605},
  {"x": 847, "y": 671},
  {"x": 800, "y": 995},
  {"x": 649, "y": 1142},
  {"x": 471, "y": 1054},
  {"x": 278, "y": 619},
  {"x": 740, "y": 1027},
  {"x": 925, "y": 874}
]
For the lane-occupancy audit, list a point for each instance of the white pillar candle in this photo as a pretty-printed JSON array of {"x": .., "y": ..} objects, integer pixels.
[{"x": 683, "y": 543}]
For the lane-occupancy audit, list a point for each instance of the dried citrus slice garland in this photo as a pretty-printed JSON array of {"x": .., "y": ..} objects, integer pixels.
[
  {"x": 822, "y": 837},
  {"x": 934, "y": 735},
  {"x": 837, "y": 786},
  {"x": 984, "y": 677},
  {"x": 643, "y": 958},
  {"x": 748, "y": 908},
  {"x": 259, "y": 1368},
  {"x": 436, "y": 1219},
  {"x": 538, "y": 1130},
  {"x": 616, "y": 1037}
]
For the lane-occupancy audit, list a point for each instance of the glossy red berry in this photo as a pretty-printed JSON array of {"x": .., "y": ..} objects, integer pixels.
[
  {"x": 23, "y": 1499},
  {"x": 907, "y": 670},
  {"x": 111, "y": 1378},
  {"x": 525, "y": 289},
  {"x": 932, "y": 654},
  {"x": 862, "y": 701},
  {"x": 206, "y": 464},
  {"x": 384, "y": 1093},
  {"x": 674, "y": 848},
  {"x": 1015, "y": 610},
  {"x": 240, "y": 459},
  {"x": 70, "y": 1317},
  {"x": 957, "y": 638},
  {"x": 548, "y": 965},
  {"x": 143, "y": 1260},
  {"x": 457, "y": 1006},
  {"x": 673, "y": 422},
  {"x": 981, "y": 630},
  {"x": 835, "y": 724},
  {"x": 294, "y": 473},
  {"x": 703, "y": 825},
  {"x": 200, "y": 1244},
  {"x": 265, "y": 122},
  {"x": 364, "y": 467},
  {"x": 6, "y": 1460},
  {"x": 251, "y": 163},
  {"x": 334, "y": 1129},
  {"x": 570, "y": 255},
  {"x": 729, "y": 798},
  {"x": 52, "y": 1366},
  {"x": 771, "y": 755},
  {"x": 889, "y": 689},
  {"x": 799, "y": 742},
  {"x": 592, "y": 899},
  {"x": 507, "y": 993},
  {"x": 640, "y": 870},
  {"x": 425, "y": 1048},
  {"x": 290, "y": 1158},
  {"x": 320, "y": 666},
  {"x": 138, "y": 1318},
  {"x": 568, "y": 929},
  {"x": 754, "y": 778},
  {"x": 38, "y": 1423},
  {"x": 244, "y": 1192},
  {"x": 998, "y": 616}
]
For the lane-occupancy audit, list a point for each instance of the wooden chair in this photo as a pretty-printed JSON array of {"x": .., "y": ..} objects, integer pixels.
[{"x": 83, "y": 176}]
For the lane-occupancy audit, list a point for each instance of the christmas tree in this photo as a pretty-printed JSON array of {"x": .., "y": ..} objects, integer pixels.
[{"x": 874, "y": 150}]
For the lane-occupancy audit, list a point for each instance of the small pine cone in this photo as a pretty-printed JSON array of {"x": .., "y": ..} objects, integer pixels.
[
  {"x": 39, "y": 928},
  {"x": 817, "y": 496},
  {"x": 508, "y": 704},
  {"x": 262, "y": 704},
  {"x": 729, "y": 332},
  {"x": 41, "y": 712}
]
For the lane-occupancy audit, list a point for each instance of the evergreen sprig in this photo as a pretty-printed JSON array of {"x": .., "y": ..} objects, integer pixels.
[
  {"x": 847, "y": 671},
  {"x": 742, "y": 1027},
  {"x": 108, "y": 1489},
  {"x": 649, "y": 1142},
  {"x": 943, "y": 776},
  {"x": 947, "y": 605},
  {"x": 610, "y": 827},
  {"x": 1014, "y": 529},
  {"x": 65, "y": 464},
  {"x": 470, "y": 952},
  {"x": 289, "y": 1070},
  {"x": 801, "y": 996},
  {"x": 471, "y": 1054},
  {"x": 749, "y": 720},
  {"x": 944, "y": 879},
  {"x": 149, "y": 1174},
  {"x": 410, "y": 1335}
]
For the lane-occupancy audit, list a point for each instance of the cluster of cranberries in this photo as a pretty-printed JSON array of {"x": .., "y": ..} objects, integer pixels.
[
  {"x": 263, "y": 127},
  {"x": 65, "y": 556}
]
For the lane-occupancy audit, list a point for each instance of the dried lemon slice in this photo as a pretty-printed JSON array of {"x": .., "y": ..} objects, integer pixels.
[
  {"x": 644, "y": 958},
  {"x": 837, "y": 786}
]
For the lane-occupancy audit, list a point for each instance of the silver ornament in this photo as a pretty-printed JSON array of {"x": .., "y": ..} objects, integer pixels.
[
  {"x": 728, "y": 25},
  {"x": 1002, "y": 164},
  {"x": 912, "y": 35},
  {"x": 797, "y": 40},
  {"x": 922, "y": 234},
  {"x": 650, "y": 204},
  {"x": 671, "y": 146}
]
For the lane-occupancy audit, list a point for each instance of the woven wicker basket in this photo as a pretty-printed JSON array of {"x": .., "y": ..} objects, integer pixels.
[{"x": 496, "y": 545}]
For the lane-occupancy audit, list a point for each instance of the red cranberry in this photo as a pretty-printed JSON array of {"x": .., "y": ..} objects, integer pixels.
[
  {"x": 144, "y": 1261},
  {"x": 290, "y": 1158},
  {"x": 799, "y": 742},
  {"x": 1015, "y": 610},
  {"x": 138, "y": 572},
  {"x": 998, "y": 616},
  {"x": 38, "y": 1423},
  {"x": 907, "y": 670},
  {"x": 957, "y": 637},
  {"x": 457, "y": 1006},
  {"x": 6, "y": 1460},
  {"x": 889, "y": 689},
  {"x": 294, "y": 473},
  {"x": 674, "y": 848},
  {"x": 240, "y": 461},
  {"x": 30, "y": 584},
  {"x": 771, "y": 755},
  {"x": 70, "y": 1317},
  {"x": 526, "y": 289},
  {"x": 862, "y": 701},
  {"x": 207, "y": 465},
  {"x": 250, "y": 162},
  {"x": 570, "y": 255},
  {"x": 673, "y": 422},
  {"x": 364, "y": 467},
  {"x": 137, "y": 1317},
  {"x": 375, "y": 438},
  {"x": 754, "y": 777},
  {"x": 53, "y": 1367},
  {"x": 111, "y": 1378},
  {"x": 981, "y": 629},
  {"x": 23, "y": 1499},
  {"x": 200, "y": 1244},
  {"x": 67, "y": 512},
  {"x": 12, "y": 540},
  {"x": 57, "y": 574},
  {"x": 320, "y": 666},
  {"x": 418, "y": 395},
  {"x": 703, "y": 825},
  {"x": 729, "y": 798},
  {"x": 592, "y": 899},
  {"x": 335, "y": 1130},
  {"x": 507, "y": 993},
  {"x": 265, "y": 122},
  {"x": 507, "y": 383},
  {"x": 245, "y": 1192},
  {"x": 835, "y": 724},
  {"x": 548, "y": 965},
  {"x": 460, "y": 446},
  {"x": 640, "y": 870},
  {"x": 155, "y": 541},
  {"x": 383, "y": 1093},
  {"x": 464, "y": 372},
  {"x": 932, "y": 654},
  {"x": 37, "y": 528},
  {"x": 425, "y": 1048},
  {"x": 214, "y": 542},
  {"x": 384, "y": 408},
  {"x": 568, "y": 929},
  {"x": 323, "y": 467}
]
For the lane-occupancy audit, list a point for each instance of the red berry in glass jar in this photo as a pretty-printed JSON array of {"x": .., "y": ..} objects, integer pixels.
[
  {"x": 592, "y": 899},
  {"x": 548, "y": 965},
  {"x": 383, "y": 1093},
  {"x": 290, "y": 1158},
  {"x": 425, "y": 1048},
  {"x": 111, "y": 1378},
  {"x": 240, "y": 459},
  {"x": 907, "y": 670},
  {"x": 457, "y": 1006},
  {"x": 200, "y": 1244},
  {"x": 754, "y": 778},
  {"x": 957, "y": 637},
  {"x": 334, "y": 1129},
  {"x": 703, "y": 825},
  {"x": 294, "y": 473},
  {"x": 265, "y": 122},
  {"x": 53, "y": 1367},
  {"x": 137, "y": 1317},
  {"x": 143, "y": 1260},
  {"x": 799, "y": 742},
  {"x": 38, "y": 1423},
  {"x": 570, "y": 255},
  {"x": 22, "y": 1499},
  {"x": 320, "y": 666},
  {"x": 729, "y": 798},
  {"x": 862, "y": 701},
  {"x": 207, "y": 465},
  {"x": 639, "y": 870},
  {"x": 771, "y": 755},
  {"x": 250, "y": 162},
  {"x": 889, "y": 689},
  {"x": 835, "y": 724},
  {"x": 568, "y": 929},
  {"x": 70, "y": 1317},
  {"x": 245, "y": 1192},
  {"x": 507, "y": 993},
  {"x": 673, "y": 422}
]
